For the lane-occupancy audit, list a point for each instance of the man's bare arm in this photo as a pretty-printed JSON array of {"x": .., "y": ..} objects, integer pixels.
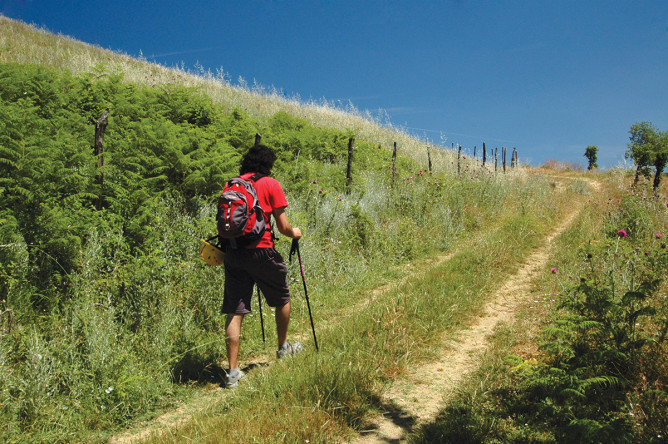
[{"x": 284, "y": 226}]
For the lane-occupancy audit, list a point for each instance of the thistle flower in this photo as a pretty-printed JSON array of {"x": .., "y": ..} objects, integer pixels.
[
  {"x": 554, "y": 270},
  {"x": 658, "y": 235},
  {"x": 622, "y": 233}
]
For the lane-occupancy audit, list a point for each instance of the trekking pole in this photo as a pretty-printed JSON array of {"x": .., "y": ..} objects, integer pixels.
[
  {"x": 295, "y": 247},
  {"x": 259, "y": 301}
]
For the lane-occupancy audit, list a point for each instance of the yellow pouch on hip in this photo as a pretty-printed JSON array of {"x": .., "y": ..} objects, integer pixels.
[{"x": 211, "y": 254}]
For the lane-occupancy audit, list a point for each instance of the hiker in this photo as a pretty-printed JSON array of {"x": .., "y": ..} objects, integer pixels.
[{"x": 258, "y": 263}]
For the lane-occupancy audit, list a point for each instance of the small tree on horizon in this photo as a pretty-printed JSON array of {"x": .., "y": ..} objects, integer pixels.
[
  {"x": 590, "y": 154},
  {"x": 644, "y": 142},
  {"x": 660, "y": 158}
]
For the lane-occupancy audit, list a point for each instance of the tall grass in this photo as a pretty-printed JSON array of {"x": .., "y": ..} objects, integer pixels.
[{"x": 117, "y": 351}]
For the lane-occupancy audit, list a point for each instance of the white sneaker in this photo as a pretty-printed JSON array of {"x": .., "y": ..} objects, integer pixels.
[
  {"x": 289, "y": 349},
  {"x": 233, "y": 381}
]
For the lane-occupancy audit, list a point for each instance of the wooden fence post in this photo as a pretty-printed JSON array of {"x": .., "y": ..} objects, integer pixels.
[
  {"x": 349, "y": 172},
  {"x": 459, "y": 156},
  {"x": 100, "y": 126},
  {"x": 475, "y": 147},
  {"x": 394, "y": 161},
  {"x": 496, "y": 158},
  {"x": 484, "y": 154},
  {"x": 429, "y": 158},
  {"x": 504, "y": 158},
  {"x": 258, "y": 139}
]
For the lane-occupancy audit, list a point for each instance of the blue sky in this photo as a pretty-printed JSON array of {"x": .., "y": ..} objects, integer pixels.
[{"x": 547, "y": 77}]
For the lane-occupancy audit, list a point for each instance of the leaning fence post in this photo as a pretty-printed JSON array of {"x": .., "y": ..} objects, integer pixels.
[
  {"x": 258, "y": 138},
  {"x": 349, "y": 173},
  {"x": 100, "y": 126}
]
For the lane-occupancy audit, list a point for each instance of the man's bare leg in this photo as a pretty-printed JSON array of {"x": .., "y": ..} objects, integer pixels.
[
  {"x": 232, "y": 338},
  {"x": 282, "y": 321}
]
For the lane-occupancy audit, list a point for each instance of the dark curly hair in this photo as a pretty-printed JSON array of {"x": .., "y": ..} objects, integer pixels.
[{"x": 258, "y": 159}]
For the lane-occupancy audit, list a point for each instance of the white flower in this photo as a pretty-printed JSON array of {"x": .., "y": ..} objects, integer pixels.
[{"x": 109, "y": 390}]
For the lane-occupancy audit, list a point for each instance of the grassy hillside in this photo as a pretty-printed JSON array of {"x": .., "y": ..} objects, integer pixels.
[
  {"x": 25, "y": 44},
  {"x": 109, "y": 317}
]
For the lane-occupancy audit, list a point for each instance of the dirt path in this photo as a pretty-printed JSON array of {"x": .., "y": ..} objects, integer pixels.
[{"x": 423, "y": 395}]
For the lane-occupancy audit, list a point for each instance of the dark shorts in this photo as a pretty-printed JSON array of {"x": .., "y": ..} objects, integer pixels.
[{"x": 246, "y": 267}]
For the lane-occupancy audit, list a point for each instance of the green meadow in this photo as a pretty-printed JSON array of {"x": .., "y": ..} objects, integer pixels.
[{"x": 109, "y": 319}]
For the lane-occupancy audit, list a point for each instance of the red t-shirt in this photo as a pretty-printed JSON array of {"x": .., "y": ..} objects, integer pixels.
[{"x": 271, "y": 196}]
